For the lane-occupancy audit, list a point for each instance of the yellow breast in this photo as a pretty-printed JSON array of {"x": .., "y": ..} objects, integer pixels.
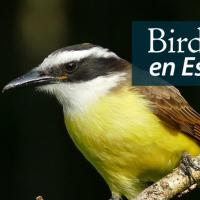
[{"x": 126, "y": 142}]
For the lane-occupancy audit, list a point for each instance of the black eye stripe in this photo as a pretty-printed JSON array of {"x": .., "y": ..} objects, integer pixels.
[
  {"x": 88, "y": 68},
  {"x": 62, "y": 69},
  {"x": 70, "y": 67},
  {"x": 93, "y": 67}
]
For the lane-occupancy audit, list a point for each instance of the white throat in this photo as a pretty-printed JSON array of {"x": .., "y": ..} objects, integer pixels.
[{"x": 77, "y": 97}]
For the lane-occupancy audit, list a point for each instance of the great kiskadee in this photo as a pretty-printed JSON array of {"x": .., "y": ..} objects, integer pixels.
[{"x": 131, "y": 135}]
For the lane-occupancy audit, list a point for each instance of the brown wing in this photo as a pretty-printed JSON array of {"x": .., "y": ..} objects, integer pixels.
[{"x": 169, "y": 105}]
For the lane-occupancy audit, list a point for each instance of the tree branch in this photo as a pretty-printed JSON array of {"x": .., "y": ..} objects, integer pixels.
[
  {"x": 173, "y": 184},
  {"x": 39, "y": 198}
]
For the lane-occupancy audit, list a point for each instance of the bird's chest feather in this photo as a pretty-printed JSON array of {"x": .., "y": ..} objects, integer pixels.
[
  {"x": 109, "y": 126},
  {"x": 119, "y": 133}
]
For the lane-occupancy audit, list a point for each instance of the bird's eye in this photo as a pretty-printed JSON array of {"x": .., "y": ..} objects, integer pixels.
[{"x": 70, "y": 67}]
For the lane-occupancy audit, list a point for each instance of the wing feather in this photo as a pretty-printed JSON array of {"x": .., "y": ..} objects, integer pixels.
[{"x": 170, "y": 106}]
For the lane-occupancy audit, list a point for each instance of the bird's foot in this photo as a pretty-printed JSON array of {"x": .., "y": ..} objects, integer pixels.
[
  {"x": 187, "y": 190},
  {"x": 187, "y": 165}
]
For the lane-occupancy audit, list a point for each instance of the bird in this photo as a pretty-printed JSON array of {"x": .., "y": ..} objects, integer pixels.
[{"x": 132, "y": 135}]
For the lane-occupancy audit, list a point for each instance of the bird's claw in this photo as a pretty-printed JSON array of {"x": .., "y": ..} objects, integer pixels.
[{"x": 187, "y": 165}]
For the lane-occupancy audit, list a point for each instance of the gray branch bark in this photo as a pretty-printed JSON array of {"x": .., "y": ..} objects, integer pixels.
[{"x": 174, "y": 184}]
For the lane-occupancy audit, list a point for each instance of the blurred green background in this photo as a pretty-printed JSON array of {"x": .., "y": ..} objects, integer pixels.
[{"x": 38, "y": 157}]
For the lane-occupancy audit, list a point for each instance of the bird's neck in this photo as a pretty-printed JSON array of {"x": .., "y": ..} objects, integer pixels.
[{"x": 76, "y": 98}]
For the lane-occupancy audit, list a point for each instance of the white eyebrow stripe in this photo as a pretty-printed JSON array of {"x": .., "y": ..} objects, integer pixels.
[{"x": 69, "y": 56}]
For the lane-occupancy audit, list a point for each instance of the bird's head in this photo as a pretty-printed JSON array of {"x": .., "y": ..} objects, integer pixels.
[{"x": 77, "y": 75}]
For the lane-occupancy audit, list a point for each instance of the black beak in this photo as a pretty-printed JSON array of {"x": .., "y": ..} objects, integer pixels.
[{"x": 32, "y": 78}]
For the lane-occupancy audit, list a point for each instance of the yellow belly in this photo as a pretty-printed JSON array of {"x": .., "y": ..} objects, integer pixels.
[{"x": 126, "y": 142}]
